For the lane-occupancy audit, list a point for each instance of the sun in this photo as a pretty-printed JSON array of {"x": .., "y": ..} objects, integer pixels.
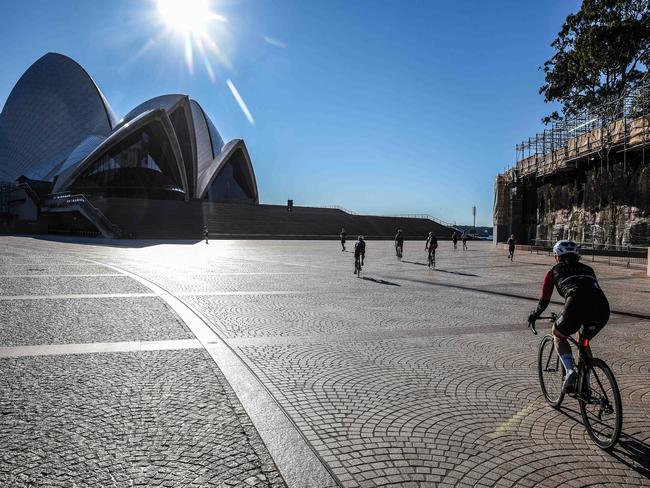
[{"x": 185, "y": 16}]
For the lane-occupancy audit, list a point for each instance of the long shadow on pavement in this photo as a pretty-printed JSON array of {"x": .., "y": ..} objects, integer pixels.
[
  {"x": 381, "y": 282},
  {"x": 443, "y": 270},
  {"x": 509, "y": 295},
  {"x": 414, "y": 262},
  {"x": 456, "y": 273}
]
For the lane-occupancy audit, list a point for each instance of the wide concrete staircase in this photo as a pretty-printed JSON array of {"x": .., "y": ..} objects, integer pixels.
[{"x": 160, "y": 219}]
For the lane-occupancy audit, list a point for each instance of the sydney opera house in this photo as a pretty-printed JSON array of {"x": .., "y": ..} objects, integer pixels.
[
  {"x": 57, "y": 126},
  {"x": 69, "y": 164}
]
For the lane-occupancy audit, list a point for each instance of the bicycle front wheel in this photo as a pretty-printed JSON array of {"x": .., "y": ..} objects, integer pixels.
[
  {"x": 551, "y": 372},
  {"x": 600, "y": 404}
]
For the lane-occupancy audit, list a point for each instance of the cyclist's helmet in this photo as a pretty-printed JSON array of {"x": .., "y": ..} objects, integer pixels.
[
  {"x": 565, "y": 247},
  {"x": 361, "y": 238}
]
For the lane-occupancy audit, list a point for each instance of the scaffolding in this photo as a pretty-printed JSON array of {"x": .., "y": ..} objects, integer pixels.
[{"x": 620, "y": 126}]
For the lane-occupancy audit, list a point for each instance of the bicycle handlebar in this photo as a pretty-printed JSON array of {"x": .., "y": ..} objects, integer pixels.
[{"x": 551, "y": 318}]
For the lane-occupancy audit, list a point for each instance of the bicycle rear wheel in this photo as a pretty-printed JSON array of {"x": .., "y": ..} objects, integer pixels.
[
  {"x": 600, "y": 404},
  {"x": 551, "y": 372}
]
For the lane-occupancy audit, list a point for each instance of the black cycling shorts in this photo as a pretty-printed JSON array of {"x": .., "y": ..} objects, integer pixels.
[{"x": 591, "y": 310}]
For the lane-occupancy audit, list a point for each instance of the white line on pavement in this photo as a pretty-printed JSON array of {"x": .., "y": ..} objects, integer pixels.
[
  {"x": 76, "y": 296},
  {"x": 37, "y": 275},
  {"x": 97, "y": 347}
]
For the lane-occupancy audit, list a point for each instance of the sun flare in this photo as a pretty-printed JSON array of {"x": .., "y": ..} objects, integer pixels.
[{"x": 185, "y": 16}]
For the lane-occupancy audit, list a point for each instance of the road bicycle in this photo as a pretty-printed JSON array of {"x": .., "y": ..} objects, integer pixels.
[
  {"x": 432, "y": 259},
  {"x": 596, "y": 389},
  {"x": 357, "y": 266},
  {"x": 398, "y": 251}
]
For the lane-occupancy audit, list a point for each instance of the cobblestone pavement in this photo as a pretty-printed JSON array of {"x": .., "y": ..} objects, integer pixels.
[{"x": 406, "y": 377}]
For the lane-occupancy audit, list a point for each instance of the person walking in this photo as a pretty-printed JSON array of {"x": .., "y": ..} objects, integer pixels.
[
  {"x": 206, "y": 233},
  {"x": 464, "y": 238},
  {"x": 511, "y": 247},
  {"x": 454, "y": 238},
  {"x": 343, "y": 236}
]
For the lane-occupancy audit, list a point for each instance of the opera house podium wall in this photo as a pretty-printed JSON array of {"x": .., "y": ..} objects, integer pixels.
[
  {"x": 69, "y": 165},
  {"x": 160, "y": 219}
]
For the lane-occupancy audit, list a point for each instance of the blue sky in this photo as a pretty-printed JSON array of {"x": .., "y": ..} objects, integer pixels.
[{"x": 382, "y": 107}]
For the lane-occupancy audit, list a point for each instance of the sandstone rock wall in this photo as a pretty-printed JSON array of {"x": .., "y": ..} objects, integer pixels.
[{"x": 607, "y": 205}]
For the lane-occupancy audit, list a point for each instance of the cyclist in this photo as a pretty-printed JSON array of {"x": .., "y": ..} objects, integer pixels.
[
  {"x": 464, "y": 238},
  {"x": 585, "y": 303},
  {"x": 454, "y": 237},
  {"x": 431, "y": 245},
  {"x": 343, "y": 236},
  {"x": 511, "y": 247},
  {"x": 206, "y": 233},
  {"x": 359, "y": 252},
  {"x": 399, "y": 243}
]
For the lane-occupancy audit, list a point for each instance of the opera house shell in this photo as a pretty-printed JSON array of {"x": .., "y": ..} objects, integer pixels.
[{"x": 58, "y": 129}]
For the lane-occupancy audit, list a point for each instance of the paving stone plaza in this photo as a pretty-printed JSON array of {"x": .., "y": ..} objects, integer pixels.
[{"x": 268, "y": 363}]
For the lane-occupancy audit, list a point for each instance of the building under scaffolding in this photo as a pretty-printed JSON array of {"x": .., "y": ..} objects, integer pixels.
[{"x": 571, "y": 159}]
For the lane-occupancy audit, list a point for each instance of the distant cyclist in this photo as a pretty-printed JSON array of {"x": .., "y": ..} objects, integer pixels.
[
  {"x": 206, "y": 234},
  {"x": 454, "y": 238},
  {"x": 431, "y": 245},
  {"x": 399, "y": 243},
  {"x": 343, "y": 236},
  {"x": 511, "y": 247},
  {"x": 464, "y": 239},
  {"x": 584, "y": 303},
  {"x": 359, "y": 253}
]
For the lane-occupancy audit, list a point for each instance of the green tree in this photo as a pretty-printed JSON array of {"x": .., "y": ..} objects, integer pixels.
[{"x": 601, "y": 52}]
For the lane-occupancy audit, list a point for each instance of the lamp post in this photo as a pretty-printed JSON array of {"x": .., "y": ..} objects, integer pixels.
[{"x": 474, "y": 215}]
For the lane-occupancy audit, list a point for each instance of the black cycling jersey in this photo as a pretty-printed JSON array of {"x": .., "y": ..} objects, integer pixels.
[
  {"x": 399, "y": 239},
  {"x": 574, "y": 278},
  {"x": 585, "y": 303},
  {"x": 359, "y": 248}
]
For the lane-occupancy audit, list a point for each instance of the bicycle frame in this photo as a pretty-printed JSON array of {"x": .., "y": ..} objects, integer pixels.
[
  {"x": 590, "y": 389},
  {"x": 584, "y": 362}
]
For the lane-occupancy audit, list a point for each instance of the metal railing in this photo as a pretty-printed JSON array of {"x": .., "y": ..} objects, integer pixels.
[
  {"x": 622, "y": 255},
  {"x": 96, "y": 216},
  {"x": 404, "y": 216},
  {"x": 425, "y": 216},
  {"x": 338, "y": 207}
]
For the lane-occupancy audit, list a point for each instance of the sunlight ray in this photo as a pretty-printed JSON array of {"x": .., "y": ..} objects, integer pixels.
[
  {"x": 189, "y": 59},
  {"x": 240, "y": 102}
]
